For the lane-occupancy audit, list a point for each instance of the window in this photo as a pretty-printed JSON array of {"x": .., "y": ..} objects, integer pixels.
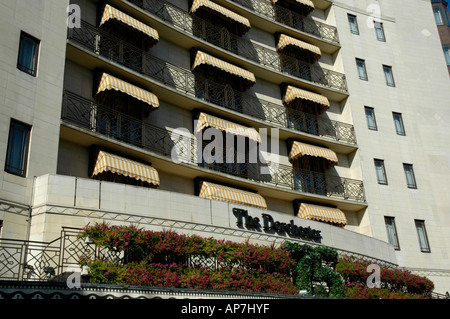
[
  {"x": 379, "y": 31},
  {"x": 391, "y": 232},
  {"x": 388, "y": 74},
  {"x": 28, "y": 54},
  {"x": 447, "y": 53},
  {"x": 422, "y": 234},
  {"x": 410, "y": 179},
  {"x": 381, "y": 172},
  {"x": 370, "y": 116},
  {"x": 361, "y": 65},
  {"x": 353, "y": 22},
  {"x": 438, "y": 16},
  {"x": 17, "y": 152},
  {"x": 398, "y": 122}
]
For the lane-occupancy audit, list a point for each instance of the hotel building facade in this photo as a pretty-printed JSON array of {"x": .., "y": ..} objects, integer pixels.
[{"x": 124, "y": 112}]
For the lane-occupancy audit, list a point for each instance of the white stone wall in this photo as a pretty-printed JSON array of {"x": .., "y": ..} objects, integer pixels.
[
  {"x": 35, "y": 101},
  {"x": 422, "y": 95},
  {"x": 69, "y": 201}
]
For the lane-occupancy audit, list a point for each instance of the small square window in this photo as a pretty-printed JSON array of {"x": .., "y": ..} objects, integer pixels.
[
  {"x": 381, "y": 172},
  {"x": 17, "y": 151},
  {"x": 353, "y": 22},
  {"x": 422, "y": 234},
  {"x": 28, "y": 54},
  {"x": 388, "y": 75},
  {"x": 379, "y": 31},
  {"x": 398, "y": 122},
  {"x": 361, "y": 65},
  {"x": 409, "y": 173},
  {"x": 370, "y": 117}
]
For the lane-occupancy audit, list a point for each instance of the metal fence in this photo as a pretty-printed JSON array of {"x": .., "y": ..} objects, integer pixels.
[
  {"x": 39, "y": 261},
  {"x": 55, "y": 261}
]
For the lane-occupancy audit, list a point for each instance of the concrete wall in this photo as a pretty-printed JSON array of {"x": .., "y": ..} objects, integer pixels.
[
  {"x": 68, "y": 201},
  {"x": 35, "y": 101},
  {"x": 421, "y": 94}
]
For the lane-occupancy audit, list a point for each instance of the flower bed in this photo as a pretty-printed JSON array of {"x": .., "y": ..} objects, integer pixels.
[
  {"x": 180, "y": 276},
  {"x": 168, "y": 246},
  {"x": 394, "y": 282},
  {"x": 158, "y": 259}
]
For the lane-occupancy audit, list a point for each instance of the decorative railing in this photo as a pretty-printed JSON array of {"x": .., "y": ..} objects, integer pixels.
[
  {"x": 116, "y": 50},
  {"x": 86, "y": 114},
  {"x": 55, "y": 261},
  {"x": 222, "y": 38},
  {"x": 269, "y": 10}
]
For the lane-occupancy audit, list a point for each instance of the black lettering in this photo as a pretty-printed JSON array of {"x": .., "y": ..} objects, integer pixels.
[
  {"x": 268, "y": 222},
  {"x": 240, "y": 213}
]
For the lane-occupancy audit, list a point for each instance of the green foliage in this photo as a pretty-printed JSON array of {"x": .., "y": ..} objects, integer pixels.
[{"x": 315, "y": 270}]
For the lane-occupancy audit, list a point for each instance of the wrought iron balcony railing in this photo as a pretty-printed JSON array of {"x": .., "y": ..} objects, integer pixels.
[
  {"x": 183, "y": 80},
  {"x": 222, "y": 38},
  {"x": 88, "y": 115},
  {"x": 292, "y": 19}
]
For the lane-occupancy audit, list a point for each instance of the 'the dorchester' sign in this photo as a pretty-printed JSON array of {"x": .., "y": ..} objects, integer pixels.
[{"x": 270, "y": 225}]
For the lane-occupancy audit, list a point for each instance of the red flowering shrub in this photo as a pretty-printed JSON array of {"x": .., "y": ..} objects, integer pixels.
[
  {"x": 139, "y": 245},
  {"x": 396, "y": 282},
  {"x": 180, "y": 276},
  {"x": 358, "y": 290}
]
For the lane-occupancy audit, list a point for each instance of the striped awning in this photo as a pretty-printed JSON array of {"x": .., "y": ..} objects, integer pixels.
[
  {"x": 204, "y": 58},
  {"x": 206, "y": 120},
  {"x": 232, "y": 195},
  {"x": 107, "y": 162},
  {"x": 307, "y": 3},
  {"x": 287, "y": 41},
  {"x": 113, "y": 13},
  {"x": 293, "y": 93},
  {"x": 109, "y": 82},
  {"x": 323, "y": 214},
  {"x": 301, "y": 149},
  {"x": 244, "y": 22}
]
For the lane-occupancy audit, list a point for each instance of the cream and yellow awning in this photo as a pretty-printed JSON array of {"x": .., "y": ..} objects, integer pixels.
[
  {"x": 206, "y": 120},
  {"x": 109, "y": 82},
  {"x": 204, "y": 58},
  {"x": 232, "y": 195},
  {"x": 107, "y": 162},
  {"x": 301, "y": 149},
  {"x": 113, "y": 13},
  {"x": 287, "y": 41},
  {"x": 308, "y": 3},
  {"x": 322, "y": 213},
  {"x": 293, "y": 93},
  {"x": 196, "y": 4}
]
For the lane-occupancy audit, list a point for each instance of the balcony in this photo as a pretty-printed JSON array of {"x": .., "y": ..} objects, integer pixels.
[
  {"x": 103, "y": 44},
  {"x": 242, "y": 47},
  {"x": 105, "y": 123},
  {"x": 274, "y": 12},
  {"x": 264, "y": 8}
]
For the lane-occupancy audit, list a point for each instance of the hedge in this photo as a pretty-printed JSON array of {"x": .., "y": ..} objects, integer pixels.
[
  {"x": 394, "y": 280},
  {"x": 168, "y": 246}
]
